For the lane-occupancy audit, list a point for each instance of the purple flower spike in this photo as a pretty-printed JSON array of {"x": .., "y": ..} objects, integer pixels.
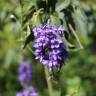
[
  {"x": 25, "y": 73},
  {"x": 49, "y": 46},
  {"x": 30, "y": 91}
]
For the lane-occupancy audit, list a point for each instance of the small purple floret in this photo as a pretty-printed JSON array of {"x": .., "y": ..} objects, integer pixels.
[{"x": 25, "y": 72}]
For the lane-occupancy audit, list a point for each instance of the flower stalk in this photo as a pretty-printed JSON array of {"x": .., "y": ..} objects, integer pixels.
[{"x": 49, "y": 84}]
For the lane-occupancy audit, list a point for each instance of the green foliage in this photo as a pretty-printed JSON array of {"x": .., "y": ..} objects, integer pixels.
[{"x": 77, "y": 77}]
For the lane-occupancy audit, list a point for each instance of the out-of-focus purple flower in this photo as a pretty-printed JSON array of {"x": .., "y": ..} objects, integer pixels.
[
  {"x": 20, "y": 94},
  {"x": 30, "y": 91},
  {"x": 25, "y": 72},
  {"x": 49, "y": 46}
]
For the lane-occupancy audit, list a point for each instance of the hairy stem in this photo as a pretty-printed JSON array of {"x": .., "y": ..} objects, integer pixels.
[{"x": 48, "y": 80}]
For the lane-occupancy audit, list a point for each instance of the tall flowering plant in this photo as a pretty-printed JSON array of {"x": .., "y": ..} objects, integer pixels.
[{"x": 50, "y": 26}]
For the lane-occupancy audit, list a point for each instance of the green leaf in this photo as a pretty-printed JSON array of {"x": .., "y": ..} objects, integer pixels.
[
  {"x": 9, "y": 57},
  {"x": 36, "y": 19},
  {"x": 29, "y": 36},
  {"x": 80, "y": 21},
  {"x": 45, "y": 17},
  {"x": 26, "y": 5},
  {"x": 65, "y": 24},
  {"x": 28, "y": 15},
  {"x": 62, "y": 4},
  {"x": 55, "y": 20},
  {"x": 28, "y": 40}
]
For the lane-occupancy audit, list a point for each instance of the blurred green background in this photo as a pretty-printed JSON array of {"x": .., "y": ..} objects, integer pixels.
[{"x": 78, "y": 75}]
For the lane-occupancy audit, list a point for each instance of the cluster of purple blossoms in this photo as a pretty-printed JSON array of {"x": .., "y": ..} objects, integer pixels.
[
  {"x": 30, "y": 91},
  {"x": 25, "y": 73},
  {"x": 49, "y": 47}
]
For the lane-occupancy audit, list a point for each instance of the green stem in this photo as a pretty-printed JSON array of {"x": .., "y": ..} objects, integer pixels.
[
  {"x": 21, "y": 20},
  {"x": 76, "y": 36},
  {"x": 48, "y": 80},
  {"x": 21, "y": 23}
]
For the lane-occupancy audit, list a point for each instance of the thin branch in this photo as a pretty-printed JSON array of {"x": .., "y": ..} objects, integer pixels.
[{"x": 77, "y": 38}]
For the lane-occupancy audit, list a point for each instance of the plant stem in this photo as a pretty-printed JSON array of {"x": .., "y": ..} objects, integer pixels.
[
  {"x": 21, "y": 24},
  {"x": 21, "y": 20},
  {"x": 48, "y": 80},
  {"x": 77, "y": 38}
]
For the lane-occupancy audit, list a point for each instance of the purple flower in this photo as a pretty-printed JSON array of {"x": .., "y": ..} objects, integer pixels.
[
  {"x": 49, "y": 46},
  {"x": 25, "y": 72},
  {"x": 30, "y": 91},
  {"x": 20, "y": 94}
]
